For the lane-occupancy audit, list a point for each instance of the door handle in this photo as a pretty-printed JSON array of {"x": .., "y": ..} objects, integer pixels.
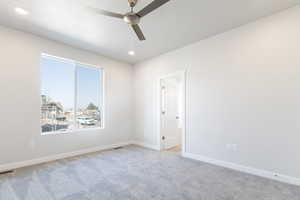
[{"x": 177, "y": 117}]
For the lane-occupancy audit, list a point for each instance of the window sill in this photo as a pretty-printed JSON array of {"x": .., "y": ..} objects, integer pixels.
[{"x": 72, "y": 131}]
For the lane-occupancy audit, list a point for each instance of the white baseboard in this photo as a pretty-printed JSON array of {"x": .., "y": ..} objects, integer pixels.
[
  {"x": 249, "y": 170},
  {"x": 146, "y": 145},
  {"x": 16, "y": 165}
]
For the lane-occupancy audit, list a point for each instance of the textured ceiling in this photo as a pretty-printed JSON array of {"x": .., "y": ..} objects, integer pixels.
[{"x": 176, "y": 24}]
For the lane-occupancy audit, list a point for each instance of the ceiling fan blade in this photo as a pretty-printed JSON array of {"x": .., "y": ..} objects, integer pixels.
[
  {"x": 138, "y": 32},
  {"x": 107, "y": 13},
  {"x": 151, "y": 7}
]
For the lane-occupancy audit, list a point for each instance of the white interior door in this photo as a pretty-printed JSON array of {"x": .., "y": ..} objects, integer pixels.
[{"x": 170, "y": 113}]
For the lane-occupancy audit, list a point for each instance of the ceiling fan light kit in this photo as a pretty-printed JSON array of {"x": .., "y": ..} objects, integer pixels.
[{"x": 132, "y": 18}]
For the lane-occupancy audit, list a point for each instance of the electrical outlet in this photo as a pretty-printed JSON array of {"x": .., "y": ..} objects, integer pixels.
[
  {"x": 232, "y": 147},
  {"x": 32, "y": 144}
]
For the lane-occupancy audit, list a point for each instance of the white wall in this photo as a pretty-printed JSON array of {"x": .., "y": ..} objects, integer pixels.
[
  {"x": 243, "y": 88},
  {"x": 20, "y": 137}
]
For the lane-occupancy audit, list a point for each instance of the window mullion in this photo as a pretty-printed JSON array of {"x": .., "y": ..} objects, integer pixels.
[
  {"x": 75, "y": 95},
  {"x": 101, "y": 102}
]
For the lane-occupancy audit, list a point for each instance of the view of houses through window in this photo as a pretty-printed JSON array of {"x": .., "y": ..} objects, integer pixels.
[{"x": 71, "y": 95}]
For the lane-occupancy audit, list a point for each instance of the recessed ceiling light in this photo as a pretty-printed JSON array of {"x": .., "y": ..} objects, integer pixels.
[
  {"x": 132, "y": 53},
  {"x": 21, "y": 11}
]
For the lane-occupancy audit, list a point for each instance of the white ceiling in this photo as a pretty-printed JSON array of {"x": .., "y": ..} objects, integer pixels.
[{"x": 175, "y": 24}]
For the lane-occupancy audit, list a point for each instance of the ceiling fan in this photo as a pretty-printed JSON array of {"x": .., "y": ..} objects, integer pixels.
[{"x": 132, "y": 18}]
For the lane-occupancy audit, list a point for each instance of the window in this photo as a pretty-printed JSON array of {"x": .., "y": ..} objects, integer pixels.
[{"x": 71, "y": 95}]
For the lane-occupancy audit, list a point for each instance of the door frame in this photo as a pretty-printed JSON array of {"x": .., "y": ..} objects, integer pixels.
[{"x": 182, "y": 73}]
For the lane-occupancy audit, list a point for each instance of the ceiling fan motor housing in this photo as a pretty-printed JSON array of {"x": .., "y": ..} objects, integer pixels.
[{"x": 131, "y": 18}]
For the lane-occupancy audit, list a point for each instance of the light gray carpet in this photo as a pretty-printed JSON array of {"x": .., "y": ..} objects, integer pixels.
[{"x": 138, "y": 174}]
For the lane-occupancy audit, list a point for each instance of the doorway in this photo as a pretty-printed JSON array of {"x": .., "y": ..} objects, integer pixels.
[{"x": 172, "y": 112}]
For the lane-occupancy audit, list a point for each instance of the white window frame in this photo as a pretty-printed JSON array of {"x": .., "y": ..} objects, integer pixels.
[{"x": 101, "y": 107}]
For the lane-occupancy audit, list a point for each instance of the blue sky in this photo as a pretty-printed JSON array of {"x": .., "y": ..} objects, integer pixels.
[{"x": 58, "y": 80}]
